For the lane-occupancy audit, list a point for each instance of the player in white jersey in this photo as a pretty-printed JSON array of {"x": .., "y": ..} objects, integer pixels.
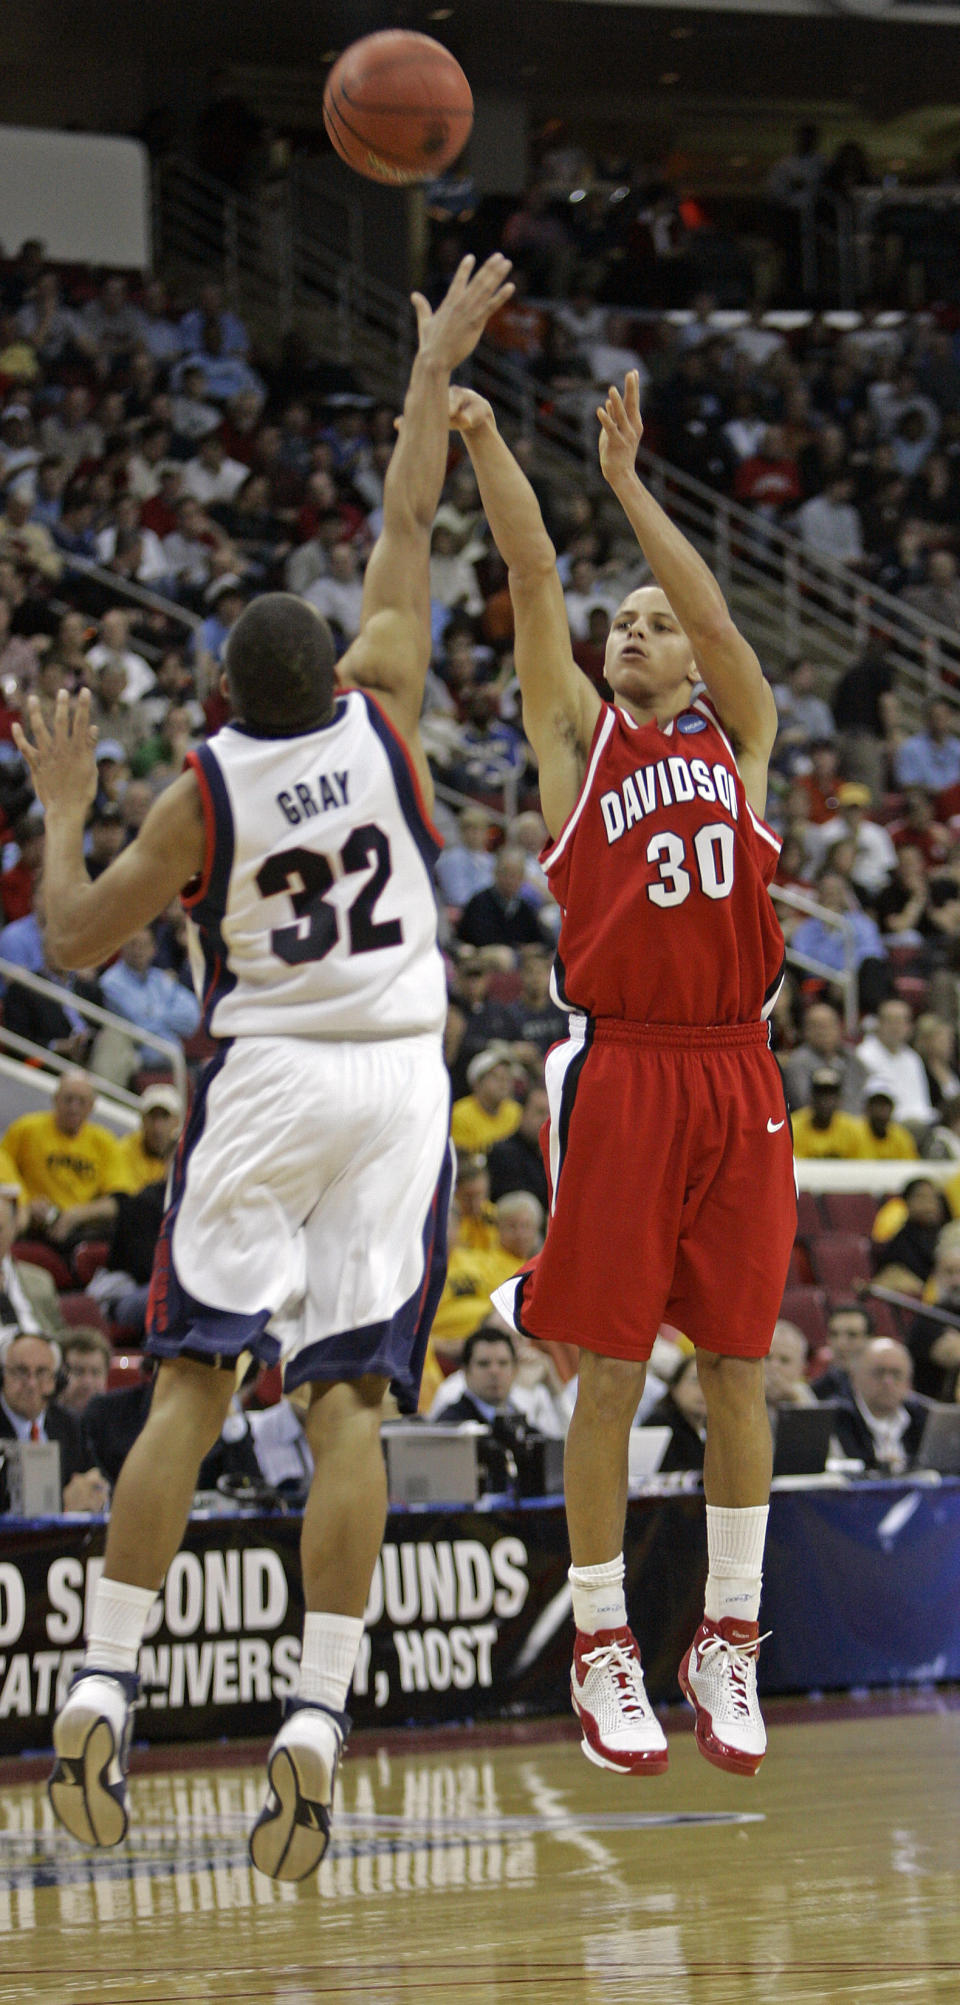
[{"x": 307, "y": 1206}]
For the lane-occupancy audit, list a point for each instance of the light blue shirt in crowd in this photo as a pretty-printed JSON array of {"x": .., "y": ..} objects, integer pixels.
[
  {"x": 154, "y": 1001},
  {"x": 923, "y": 762}
]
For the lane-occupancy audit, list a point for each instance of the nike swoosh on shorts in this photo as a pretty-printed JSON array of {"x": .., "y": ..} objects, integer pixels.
[{"x": 773, "y": 1126}]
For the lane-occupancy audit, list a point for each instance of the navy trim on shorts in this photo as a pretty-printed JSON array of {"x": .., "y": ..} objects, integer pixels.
[
  {"x": 403, "y": 781},
  {"x": 177, "y": 1323},
  {"x": 394, "y": 1349}
]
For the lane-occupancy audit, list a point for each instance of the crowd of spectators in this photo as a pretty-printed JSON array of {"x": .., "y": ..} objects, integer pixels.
[{"x": 144, "y": 444}]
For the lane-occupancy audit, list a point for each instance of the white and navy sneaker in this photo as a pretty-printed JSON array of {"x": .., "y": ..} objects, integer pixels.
[
  {"x": 292, "y": 1831},
  {"x": 620, "y": 1728},
  {"x": 719, "y": 1677},
  {"x": 91, "y": 1740}
]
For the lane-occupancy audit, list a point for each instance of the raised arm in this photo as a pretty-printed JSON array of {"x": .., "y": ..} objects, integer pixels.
[
  {"x": 560, "y": 706},
  {"x": 87, "y": 921},
  {"x": 726, "y": 661},
  {"x": 391, "y": 654}
]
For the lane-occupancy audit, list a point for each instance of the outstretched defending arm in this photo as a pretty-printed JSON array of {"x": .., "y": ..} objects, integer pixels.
[
  {"x": 86, "y": 922},
  {"x": 727, "y": 663},
  {"x": 391, "y": 654},
  {"x": 560, "y": 707}
]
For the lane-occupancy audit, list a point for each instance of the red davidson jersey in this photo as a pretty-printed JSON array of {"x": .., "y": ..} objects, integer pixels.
[{"x": 661, "y": 873}]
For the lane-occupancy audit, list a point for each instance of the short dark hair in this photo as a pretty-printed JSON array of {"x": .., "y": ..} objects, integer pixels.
[
  {"x": 488, "y": 1333},
  {"x": 279, "y": 663},
  {"x": 87, "y": 1340}
]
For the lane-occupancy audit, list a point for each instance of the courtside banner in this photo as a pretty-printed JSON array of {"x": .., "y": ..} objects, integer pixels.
[
  {"x": 468, "y": 1618},
  {"x": 469, "y": 1611}
]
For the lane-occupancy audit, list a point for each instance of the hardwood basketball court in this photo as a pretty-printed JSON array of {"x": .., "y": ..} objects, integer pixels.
[{"x": 497, "y": 1865}]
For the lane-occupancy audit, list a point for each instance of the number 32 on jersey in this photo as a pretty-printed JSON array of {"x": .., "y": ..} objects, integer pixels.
[{"x": 308, "y": 876}]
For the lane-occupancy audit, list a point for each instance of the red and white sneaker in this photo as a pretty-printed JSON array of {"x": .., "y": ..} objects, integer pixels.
[
  {"x": 620, "y": 1728},
  {"x": 719, "y": 1677}
]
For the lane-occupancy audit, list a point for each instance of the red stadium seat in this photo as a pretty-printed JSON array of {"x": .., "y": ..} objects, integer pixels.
[
  {"x": 82, "y": 1311},
  {"x": 849, "y": 1210},
  {"x": 888, "y": 1321},
  {"x": 267, "y": 1389},
  {"x": 126, "y": 1369},
  {"x": 88, "y": 1257},
  {"x": 504, "y": 985},
  {"x": 38, "y": 1254},
  {"x": 913, "y": 990},
  {"x": 840, "y": 1260},
  {"x": 800, "y": 1273},
  {"x": 809, "y": 1221},
  {"x": 807, "y": 1307}
]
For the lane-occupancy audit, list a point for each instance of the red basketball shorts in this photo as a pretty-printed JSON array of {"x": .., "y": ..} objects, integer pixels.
[{"x": 674, "y": 1200}]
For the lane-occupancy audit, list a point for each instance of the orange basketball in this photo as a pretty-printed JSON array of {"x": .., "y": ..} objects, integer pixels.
[{"x": 398, "y": 107}]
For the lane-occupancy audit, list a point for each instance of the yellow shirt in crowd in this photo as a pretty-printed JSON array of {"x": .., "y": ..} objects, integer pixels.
[
  {"x": 67, "y": 1169},
  {"x": 137, "y": 1168},
  {"x": 474, "y": 1131},
  {"x": 839, "y": 1141},
  {"x": 849, "y": 1138},
  {"x": 898, "y": 1145}
]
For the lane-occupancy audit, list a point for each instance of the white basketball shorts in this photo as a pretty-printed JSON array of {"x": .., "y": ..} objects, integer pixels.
[{"x": 308, "y": 1210}]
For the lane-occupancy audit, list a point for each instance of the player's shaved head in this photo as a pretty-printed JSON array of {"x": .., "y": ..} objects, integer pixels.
[{"x": 279, "y": 663}]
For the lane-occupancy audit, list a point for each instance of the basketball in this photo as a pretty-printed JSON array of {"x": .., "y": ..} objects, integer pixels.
[{"x": 397, "y": 107}]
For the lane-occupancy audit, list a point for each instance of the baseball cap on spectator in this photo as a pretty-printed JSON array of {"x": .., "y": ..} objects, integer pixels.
[
  {"x": 110, "y": 748},
  {"x": 166, "y": 1097},
  {"x": 826, "y": 1076},
  {"x": 877, "y": 1089},
  {"x": 853, "y": 794},
  {"x": 495, "y": 1054},
  {"x": 13, "y": 411},
  {"x": 228, "y": 583}
]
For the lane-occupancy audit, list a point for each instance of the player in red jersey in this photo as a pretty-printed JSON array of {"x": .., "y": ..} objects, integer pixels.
[{"x": 672, "y": 1193}]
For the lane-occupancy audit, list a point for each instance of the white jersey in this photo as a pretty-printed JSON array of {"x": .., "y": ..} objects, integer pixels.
[{"x": 315, "y": 914}]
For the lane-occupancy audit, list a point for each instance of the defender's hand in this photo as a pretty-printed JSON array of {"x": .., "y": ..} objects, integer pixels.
[
  {"x": 621, "y": 429},
  {"x": 469, "y": 412},
  {"x": 62, "y": 763},
  {"x": 449, "y": 333}
]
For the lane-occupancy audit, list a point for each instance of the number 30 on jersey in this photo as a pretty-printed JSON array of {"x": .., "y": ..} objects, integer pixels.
[{"x": 713, "y": 857}]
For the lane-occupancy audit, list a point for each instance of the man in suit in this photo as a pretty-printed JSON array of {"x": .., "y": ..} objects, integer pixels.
[
  {"x": 489, "y": 1365},
  {"x": 114, "y": 1420},
  {"x": 882, "y": 1424},
  {"x": 29, "y": 1374}
]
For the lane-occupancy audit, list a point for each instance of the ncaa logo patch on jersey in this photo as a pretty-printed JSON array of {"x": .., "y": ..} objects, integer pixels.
[{"x": 688, "y": 724}]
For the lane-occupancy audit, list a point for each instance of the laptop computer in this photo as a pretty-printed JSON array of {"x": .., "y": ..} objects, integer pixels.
[
  {"x": 646, "y": 1448},
  {"x": 940, "y": 1441},
  {"x": 802, "y": 1439}
]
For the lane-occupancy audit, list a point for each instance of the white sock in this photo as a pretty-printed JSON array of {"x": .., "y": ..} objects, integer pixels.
[
  {"x": 330, "y": 1646},
  {"x": 735, "y": 1541},
  {"x": 117, "y": 1622},
  {"x": 598, "y": 1601}
]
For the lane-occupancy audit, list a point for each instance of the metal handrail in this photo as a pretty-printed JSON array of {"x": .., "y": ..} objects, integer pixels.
[
  {"x": 126, "y": 588},
  {"x": 803, "y": 901},
  {"x": 786, "y": 598},
  {"x": 12, "y": 972}
]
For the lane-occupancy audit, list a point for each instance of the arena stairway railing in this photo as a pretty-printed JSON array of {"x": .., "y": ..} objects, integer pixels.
[
  {"x": 171, "y": 1052},
  {"x": 283, "y": 274}
]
